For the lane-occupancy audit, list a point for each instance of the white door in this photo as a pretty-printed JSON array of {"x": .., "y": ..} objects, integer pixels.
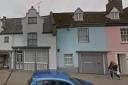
[
  {"x": 123, "y": 62},
  {"x": 19, "y": 61}
]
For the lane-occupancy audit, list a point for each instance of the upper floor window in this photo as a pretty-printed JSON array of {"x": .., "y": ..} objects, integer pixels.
[
  {"x": 124, "y": 35},
  {"x": 78, "y": 15},
  {"x": 32, "y": 39},
  {"x": 114, "y": 14},
  {"x": 83, "y": 35},
  {"x": 32, "y": 20},
  {"x": 68, "y": 60},
  {"x": 6, "y": 39}
]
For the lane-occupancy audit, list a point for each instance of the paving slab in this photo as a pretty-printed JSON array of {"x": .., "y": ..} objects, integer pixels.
[
  {"x": 3, "y": 76},
  {"x": 19, "y": 78}
]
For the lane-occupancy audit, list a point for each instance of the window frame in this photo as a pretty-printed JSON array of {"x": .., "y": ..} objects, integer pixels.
[
  {"x": 115, "y": 15},
  {"x": 83, "y": 38},
  {"x": 124, "y": 35},
  {"x": 32, "y": 39},
  {"x": 6, "y": 39},
  {"x": 32, "y": 20},
  {"x": 78, "y": 16},
  {"x": 67, "y": 57}
]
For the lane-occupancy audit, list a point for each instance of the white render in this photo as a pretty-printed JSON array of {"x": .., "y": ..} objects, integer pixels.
[{"x": 43, "y": 39}]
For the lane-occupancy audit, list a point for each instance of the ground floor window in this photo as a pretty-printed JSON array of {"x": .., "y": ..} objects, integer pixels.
[
  {"x": 68, "y": 60},
  {"x": 42, "y": 56},
  {"x": 36, "y": 55},
  {"x": 32, "y": 59},
  {"x": 30, "y": 55}
]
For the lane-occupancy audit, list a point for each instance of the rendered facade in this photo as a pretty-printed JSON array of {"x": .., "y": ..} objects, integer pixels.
[
  {"x": 88, "y": 41},
  {"x": 78, "y": 41},
  {"x": 27, "y": 43}
]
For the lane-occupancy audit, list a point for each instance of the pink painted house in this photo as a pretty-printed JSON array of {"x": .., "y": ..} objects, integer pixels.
[
  {"x": 116, "y": 34},
  {"x": 117, "y": 45}
]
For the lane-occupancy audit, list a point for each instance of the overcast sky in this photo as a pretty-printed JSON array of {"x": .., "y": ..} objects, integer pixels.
[{"x": 18, "y": 8}]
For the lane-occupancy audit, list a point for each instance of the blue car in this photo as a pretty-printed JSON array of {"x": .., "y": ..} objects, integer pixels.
[{"x": 54, "y": 77}]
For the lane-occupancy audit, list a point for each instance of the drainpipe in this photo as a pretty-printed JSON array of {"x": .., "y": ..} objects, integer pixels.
[
  {"x": 35, "y": 61},
  {"x": 104, "y": 65}
]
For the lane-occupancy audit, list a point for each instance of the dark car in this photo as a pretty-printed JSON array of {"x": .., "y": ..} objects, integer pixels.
[{"x": 54, "y": 77}]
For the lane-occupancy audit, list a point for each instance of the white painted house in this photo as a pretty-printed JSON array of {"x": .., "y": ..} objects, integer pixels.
[{"x": 27, "y": 43}]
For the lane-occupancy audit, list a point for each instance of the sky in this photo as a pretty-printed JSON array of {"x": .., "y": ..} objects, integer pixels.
[{"x": 18, "y": 8}]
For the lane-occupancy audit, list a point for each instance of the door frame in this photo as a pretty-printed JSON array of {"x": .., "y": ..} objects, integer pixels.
[
  {"x": 21, "y": 61},
  {"x": 117, "y": 58}
]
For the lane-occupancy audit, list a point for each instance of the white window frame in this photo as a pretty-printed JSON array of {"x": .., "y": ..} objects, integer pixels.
[
  {"x": 115, "y": 15},
  {"x": 67, "y": 58},
  {"x": 124, "y": 35},
  {"x": 32, "y": 20},
  {"x": 83, "y": 35},
  {"x": 36, "y": 56},
  {"x": 32, "y": 39},
  {"x": 78, "y": 17}
]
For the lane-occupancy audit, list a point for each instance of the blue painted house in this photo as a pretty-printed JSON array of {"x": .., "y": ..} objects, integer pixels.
[
  {"x": 82, "y": 37},
  {"x": 80, "y": 41}
]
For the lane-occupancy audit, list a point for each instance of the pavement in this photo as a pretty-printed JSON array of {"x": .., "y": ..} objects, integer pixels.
[
  {"x": 3, "y": 76},
  {"x": 22, "y": 77}
]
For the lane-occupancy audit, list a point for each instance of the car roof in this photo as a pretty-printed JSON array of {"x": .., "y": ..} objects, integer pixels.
[{"x": 51, "y": 75}]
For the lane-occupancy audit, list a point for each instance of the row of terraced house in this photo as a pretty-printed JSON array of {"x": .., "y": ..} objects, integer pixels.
[{"x": 77, "y": 41}]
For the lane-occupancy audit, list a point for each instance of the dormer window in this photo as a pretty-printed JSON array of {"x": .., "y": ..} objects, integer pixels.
[
  {"x": 114, "y": 14},
  {"x": 78, "y": 15}
]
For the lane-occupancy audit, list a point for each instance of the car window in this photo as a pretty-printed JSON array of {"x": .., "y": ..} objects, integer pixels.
[
  {"x": 76, "y": 81},
  {"x": 51, "y": 82},
  {"x": 62, "y": 83},
  {"x": 40, "y": 83}
]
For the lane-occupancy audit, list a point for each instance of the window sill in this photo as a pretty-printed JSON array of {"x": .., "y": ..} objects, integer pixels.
[
  {"x": 68, "y": 65},
  {"x": 84, "y": 42}
]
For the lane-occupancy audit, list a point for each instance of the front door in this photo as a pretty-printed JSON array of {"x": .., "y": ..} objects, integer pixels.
[
  {"x": 122, "y": 62},
  {"x": 19, "y": 61}
]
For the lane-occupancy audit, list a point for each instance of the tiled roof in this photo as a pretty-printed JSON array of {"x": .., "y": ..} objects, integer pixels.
[
  {"x": 123, "y": 21},
  {"x": 124, "y": 13},
  {"x": 47, "y": 24},
  {"x": 14, "y": 25},
  {"x": 89, "y": 18},
  {"x": 114, "y": 3}
]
